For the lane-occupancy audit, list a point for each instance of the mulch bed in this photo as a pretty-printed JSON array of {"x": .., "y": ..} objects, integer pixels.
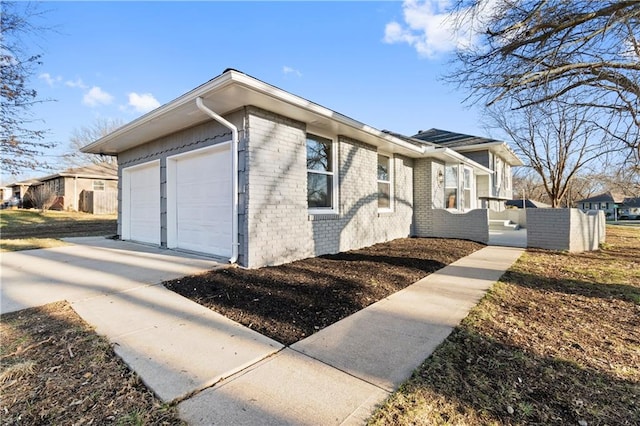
[{"x": 292, "y": 301}]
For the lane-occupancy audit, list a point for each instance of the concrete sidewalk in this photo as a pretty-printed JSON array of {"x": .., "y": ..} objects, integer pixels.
[
  {"x": 338, "y": 375},
  {"x": 89, "y": 267},
  {"x": 508, "y": 238},
  {"x": 176, "y": 346},
  {"x": 179, "y": 348}
]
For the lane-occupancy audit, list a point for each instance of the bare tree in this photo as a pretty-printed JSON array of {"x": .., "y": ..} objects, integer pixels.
[
  {"x": 625, "y": 181},
  {"x": 84, "y": 135},
  {"x": 42, "y": 197},
  {"x": 557, "y": 141},
  {"x": 528, "y": 185},
  {"x": 528, "y": 52},
  {"x": 21, "y": 142}
]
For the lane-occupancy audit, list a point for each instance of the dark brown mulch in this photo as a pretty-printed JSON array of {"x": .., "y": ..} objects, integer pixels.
[{"x": 292, "y": 301}]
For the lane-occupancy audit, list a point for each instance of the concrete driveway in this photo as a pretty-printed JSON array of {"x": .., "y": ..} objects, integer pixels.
[
  {"x": 90, "y": 267},
  {"x": 224, "y": 373},
  {"x": 176, "y": 346}
]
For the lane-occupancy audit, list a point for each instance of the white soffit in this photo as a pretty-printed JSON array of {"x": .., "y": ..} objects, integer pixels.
[
  {"x": 498, "y": 147},
  {"x": 448, "y": 155},
  {"x": 231, "y": 91}
]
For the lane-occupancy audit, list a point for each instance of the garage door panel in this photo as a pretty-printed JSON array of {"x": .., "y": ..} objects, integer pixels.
[
  {"x": 203, "y": 202},
  {"x": 143, "y": 214}
]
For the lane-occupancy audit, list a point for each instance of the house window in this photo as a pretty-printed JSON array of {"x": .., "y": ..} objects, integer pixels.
[
  {"x": 320, "y": 173},
  {"x": 507, "y": 176},
  {"x": 98, "y": 185},
  {"x": 451, "y": 187},
  {"x": 467, "y": 188},
  {"x": 384, "y": 182}
]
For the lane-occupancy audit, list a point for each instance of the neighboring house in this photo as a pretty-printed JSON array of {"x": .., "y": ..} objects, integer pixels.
[
  {"x": 19, "y": 190},
  {"x": 68, "y": 185},
  {"x": 615, "y": 205},
  {"x": 6, "y": 194},
  {"x": 528, "y": 203},
  {"x": 630, "y": 208},
  {"x": 240, "y": 169}
]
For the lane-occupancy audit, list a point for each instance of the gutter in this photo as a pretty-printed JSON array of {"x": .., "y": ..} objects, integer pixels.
[{"x": 234, "y": 175}]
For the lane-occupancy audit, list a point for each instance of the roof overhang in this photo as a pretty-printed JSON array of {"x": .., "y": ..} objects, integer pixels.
[
  {"x": 500, "y": 148},
  {"x": 448, "y": 155},
  {"x": 79, "y": 176},
  {"x": 231, "y": 91}
]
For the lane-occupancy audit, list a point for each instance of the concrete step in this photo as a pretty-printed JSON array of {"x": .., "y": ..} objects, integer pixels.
[{"x": 505, "y": 225}]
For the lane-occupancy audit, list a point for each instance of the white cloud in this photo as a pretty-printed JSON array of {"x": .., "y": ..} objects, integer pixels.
[
  {"x": 96, "y": 96},
  {"x": 51, "y": 81},
  {"x": 430, "y": 27},
  {"x": 289, "y": 70},
  {"x": 76, "y": 83},
  {"x": 144, "y": 102}
]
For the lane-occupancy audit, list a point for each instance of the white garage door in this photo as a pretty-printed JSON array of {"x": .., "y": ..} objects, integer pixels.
[
  {"x": 201, "y": 184},
  {"x": 141, "y": 203}
]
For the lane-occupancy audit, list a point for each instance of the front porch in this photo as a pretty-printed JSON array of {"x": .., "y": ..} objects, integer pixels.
[{"x": 552, "y": 229}]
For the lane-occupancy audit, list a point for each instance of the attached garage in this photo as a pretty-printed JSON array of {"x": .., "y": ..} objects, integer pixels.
[
  {"x": 141, "y": 203},
  {"x": 199, "y": 202}
]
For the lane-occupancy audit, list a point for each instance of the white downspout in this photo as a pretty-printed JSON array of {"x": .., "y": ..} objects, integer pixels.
[{"x": 234, "y": 178}]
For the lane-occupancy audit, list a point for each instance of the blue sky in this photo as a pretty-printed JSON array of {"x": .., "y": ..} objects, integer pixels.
[{"x": 377, "y": 62}]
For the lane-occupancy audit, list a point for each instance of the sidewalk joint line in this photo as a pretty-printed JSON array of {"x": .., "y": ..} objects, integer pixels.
[{"x": 341, "y": 370}]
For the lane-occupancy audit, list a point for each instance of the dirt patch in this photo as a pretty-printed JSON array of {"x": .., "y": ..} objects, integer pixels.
[
  {"x": 290, "y": 302},
  {"x": 56, "y": 370}
]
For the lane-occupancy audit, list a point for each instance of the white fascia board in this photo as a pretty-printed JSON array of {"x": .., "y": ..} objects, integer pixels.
[
  {"x": 502, "y": 147},
  {"x": 457, "y": 157},
  {"x": 263, "y": 89},
  {"x": 222, "y": 80},
  {"x": 321, "y": 111}
]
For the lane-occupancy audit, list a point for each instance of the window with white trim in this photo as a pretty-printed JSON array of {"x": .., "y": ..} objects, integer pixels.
[
  {"x": 384, "y": 182},
  {"x": 451, "y": 186},
  {"x": 467, "y": 188},
  {"x": 507, "y": 175},
  {"x": 320, "y": 173},
  {"x": 98, "y": 185}
]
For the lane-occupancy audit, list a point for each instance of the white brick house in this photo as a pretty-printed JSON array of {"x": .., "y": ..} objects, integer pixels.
[{"x": 240, "y": 169}]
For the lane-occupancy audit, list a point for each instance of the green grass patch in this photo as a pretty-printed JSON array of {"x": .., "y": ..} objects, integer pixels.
[
  {"x": 24, "y": 229},
  {"x": 18, "y": 218}
]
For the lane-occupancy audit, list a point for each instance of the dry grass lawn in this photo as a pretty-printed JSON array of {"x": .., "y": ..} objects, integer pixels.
[
  {"x": 556, "y": 341},
  {"x": 31, "y": 229},
  {"x": 55, "y": 370}
]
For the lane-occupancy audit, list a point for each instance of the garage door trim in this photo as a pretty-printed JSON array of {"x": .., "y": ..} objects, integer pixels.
[
  {"x": 126, "y": 199},
  {"x": 172, "y": 208}
]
